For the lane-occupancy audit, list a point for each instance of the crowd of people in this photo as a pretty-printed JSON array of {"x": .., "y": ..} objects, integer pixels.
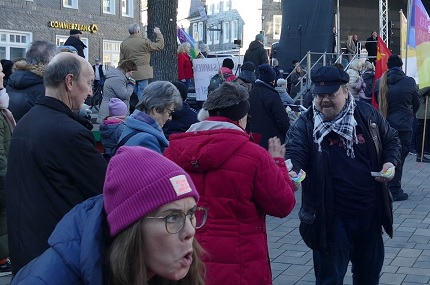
[{"x": 180, "y": 196}]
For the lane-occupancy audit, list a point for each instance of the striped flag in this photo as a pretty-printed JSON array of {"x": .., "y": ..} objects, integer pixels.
[
  {"x": 185, "y": 37},
  {"x": 421, "y": 26}
]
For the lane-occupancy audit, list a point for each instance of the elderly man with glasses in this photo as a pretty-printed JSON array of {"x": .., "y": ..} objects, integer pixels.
[{"x": 348, "y": 152}]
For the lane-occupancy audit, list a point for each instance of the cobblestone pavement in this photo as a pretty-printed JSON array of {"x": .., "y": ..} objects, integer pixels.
[{"x": 407, "y": 255}]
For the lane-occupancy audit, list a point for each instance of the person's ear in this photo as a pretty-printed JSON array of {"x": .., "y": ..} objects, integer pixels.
[{"x": 68, "y": 81}]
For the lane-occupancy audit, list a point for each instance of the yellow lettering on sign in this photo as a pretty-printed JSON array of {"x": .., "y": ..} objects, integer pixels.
[{"x": 70, "y": 26}]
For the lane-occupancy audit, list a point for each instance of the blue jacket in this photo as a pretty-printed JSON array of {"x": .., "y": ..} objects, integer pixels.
[
  {"x": 76, "y": 253},
  {"x": 181, "y": 120},
  {"x": 151, "y": 135},
  {"x": 110, "y": 132}
]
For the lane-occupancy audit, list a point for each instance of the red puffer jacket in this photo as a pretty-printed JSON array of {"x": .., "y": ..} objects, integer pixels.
[{"x": 240, "y": 183}]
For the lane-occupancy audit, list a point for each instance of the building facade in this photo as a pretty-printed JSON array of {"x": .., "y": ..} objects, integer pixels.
[{"x": 104, "y": 25}]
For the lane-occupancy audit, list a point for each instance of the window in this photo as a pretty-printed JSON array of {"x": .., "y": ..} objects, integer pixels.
[
  {"x": 111, "y": 53},
  {"x": 70, "y": 4},
  {"x": 209, "y": 37},
  {"x": 234, "y": 30},
  {"x": 226, "y": 32},
  {"x": 109, "y": 7},
  {"x": 227, "y": 5},
  {"x": 14, "y": 44},
  {"x": 200, "y": 31},
  {"x": 277, "y": 24},
  {"x": 216, "y": 8},
  {"x": 276, "y": 0},
  {"x": 127, "y": 8},
  {"x": 60, "y": 40},
  {"x": 195, "y": 32},
  {"x": 221, "y": 6},
  {"x": 216, "y": 34}
]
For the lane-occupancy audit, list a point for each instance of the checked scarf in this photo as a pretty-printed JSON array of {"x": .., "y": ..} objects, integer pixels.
[{"x": 344, "y": 125}]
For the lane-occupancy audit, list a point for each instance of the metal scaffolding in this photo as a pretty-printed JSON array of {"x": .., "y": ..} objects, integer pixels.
[{"x": 383, "y": 21}]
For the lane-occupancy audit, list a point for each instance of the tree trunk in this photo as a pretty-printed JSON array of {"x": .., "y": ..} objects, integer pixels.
[{"x": 163, "y": 14}]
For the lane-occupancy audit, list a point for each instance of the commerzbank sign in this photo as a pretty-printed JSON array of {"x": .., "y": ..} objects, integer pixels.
[{"x": 70, "y": 26}]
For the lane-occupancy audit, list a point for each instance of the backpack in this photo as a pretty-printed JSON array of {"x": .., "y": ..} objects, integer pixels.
[
  {"x": 217, "y": 80},
  {"x": 108, "y": 156}
]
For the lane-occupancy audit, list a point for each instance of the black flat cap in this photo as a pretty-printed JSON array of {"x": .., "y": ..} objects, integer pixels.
[
  {"x": 328, "y": 79},
  {"x": 75, "y": 32}
]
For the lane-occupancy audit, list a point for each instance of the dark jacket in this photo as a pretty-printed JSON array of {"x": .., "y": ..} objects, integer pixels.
[
  {"x": 317, "y": 194},
  {"x": 76, "y": 249},
  {"x": 368, "y": 77},
  {"x": 110, "y": 131},
  {"x": 24, "y": 88},
  {"x": 268, "y": 116},
  {"x": 372, "y": 46},
  {"x": 256, "y": 54},
  {"x": 181, "y": 120},
  {"x": 77, "y": 44},
  {"x": 402, "y": 97},
  {"x": 55, "y": 166}
]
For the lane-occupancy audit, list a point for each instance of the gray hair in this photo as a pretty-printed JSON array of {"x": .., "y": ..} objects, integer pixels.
[
  {"x": 134, "y": 28},
  {"x": 57, "y": 70},
  {"x": 281, "y": 82},
  {"x": 159, "y": 95},
  {"x": 40, "y": 52}
]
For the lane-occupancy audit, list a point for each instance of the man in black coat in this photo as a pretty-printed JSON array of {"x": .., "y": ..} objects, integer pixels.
[
  {"x": 339, "y": 142},
  {"x": 53, "y": 162},
  {"x": 268, "y": 116},
  {"x": 372, "y": 47},
  {"x": 25, "y": 84},
  {"x": 256, "y": 52},
  {"x": 75, "y": 41}
]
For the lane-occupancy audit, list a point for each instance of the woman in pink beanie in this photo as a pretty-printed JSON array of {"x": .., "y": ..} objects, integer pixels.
[{"x": 140, "y": 231}]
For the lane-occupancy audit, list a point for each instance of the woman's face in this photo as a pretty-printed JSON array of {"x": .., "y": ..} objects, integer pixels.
[
  {"x": 169, "y": 255},
  {"x": 163, "y": 117}
]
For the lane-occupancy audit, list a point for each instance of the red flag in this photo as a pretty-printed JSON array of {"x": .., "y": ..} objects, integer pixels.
[{"x": 380, "y": 65}]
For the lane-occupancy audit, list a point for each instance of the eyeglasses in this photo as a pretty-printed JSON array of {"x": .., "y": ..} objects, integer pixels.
[
  {"x": 170, "y": 112},
  {"x": 329, "y": 96},
  {"x": 175, "y": 222}
]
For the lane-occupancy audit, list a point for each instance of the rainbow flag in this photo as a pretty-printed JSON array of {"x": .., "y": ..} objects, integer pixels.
[
  {"x": 407, "y": 48},
  {"x": 421, "y": 28},
  {"x": 185, "y": 37}
]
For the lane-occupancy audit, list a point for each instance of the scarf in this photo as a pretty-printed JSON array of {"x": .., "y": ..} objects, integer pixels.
[
  {"x": 344, "y": 124},
  {"x": 4, "y": 104}
]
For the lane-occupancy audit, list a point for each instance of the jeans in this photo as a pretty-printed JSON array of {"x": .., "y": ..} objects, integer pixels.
[
  {"x": 358, "y": 240},
  {"x": 395, "y": 185},
  {"x": 139, "y": 87}
]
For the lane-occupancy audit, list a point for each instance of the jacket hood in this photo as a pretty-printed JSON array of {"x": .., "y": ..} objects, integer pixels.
[
  {"x": 255, "y": 45},
  {"x": 26, "y": 76},
  {"x": 394, "y": 75},
  {"x": 207, "y": 145},
  {"x": 368, "y": 74},
  {"x": 78, "y": 237},
  {"x": 115, "y": 72}
]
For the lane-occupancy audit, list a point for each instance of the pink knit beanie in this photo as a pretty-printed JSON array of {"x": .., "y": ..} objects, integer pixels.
[
  {"x": 117, "y": 107},
  {"x": 139, "y": 181}
]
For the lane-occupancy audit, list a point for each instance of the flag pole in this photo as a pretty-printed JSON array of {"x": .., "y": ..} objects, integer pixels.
[
  {"x": 424, "y": 130},
  {"x": 408, "y": 27}
]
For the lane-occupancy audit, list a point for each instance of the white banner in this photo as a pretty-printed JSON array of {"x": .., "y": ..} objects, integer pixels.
[{"x": 204, "y": 69}]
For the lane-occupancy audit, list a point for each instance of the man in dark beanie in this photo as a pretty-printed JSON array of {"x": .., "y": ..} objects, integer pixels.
[
  {"x": 75, "y": 41},
  {"x": 256, "y": 52},
  {"x": 269, "y": 118},
  {"x": 239, "y": 181},
  {"x": 246, "y": 76}
]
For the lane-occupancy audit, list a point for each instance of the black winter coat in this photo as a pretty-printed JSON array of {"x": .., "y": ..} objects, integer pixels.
[
  {"x": 77, "y": 44},
  {"x": 317, "y": 195},
  {"x": 24, "y": 88},
  {"x": 53, "y": 166},
  {"x": 268, "y": 116},
  {"x": 403, "y": 100},
  {"x": 256, "y": 54},
  {"x": 181, "y": 120}
]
